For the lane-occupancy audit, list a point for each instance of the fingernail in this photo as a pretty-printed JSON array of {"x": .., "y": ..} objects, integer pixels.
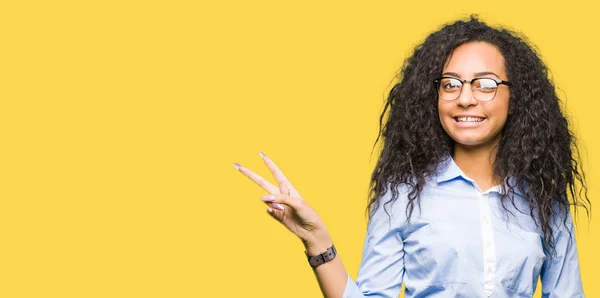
[
  {"x": 277, "y": 206},
  {"x": 268, "y": 198},
  {"x": 262, "y": 155},
  {"x": 236, "y": 165}
]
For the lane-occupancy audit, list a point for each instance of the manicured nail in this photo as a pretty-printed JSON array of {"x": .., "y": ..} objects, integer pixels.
[
  {"x": 268, "y": 198},
  {"x": 277, "y": 206},
  {"x": 262, "y": 155},
  {"x": 236, "y": 165}
]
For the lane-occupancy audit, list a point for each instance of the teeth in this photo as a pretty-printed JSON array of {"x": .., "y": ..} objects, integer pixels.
[{"x": 469, "y": 119}]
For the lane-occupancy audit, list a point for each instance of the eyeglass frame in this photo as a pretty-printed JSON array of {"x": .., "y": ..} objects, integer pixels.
[{"x": 437, "y": 81}]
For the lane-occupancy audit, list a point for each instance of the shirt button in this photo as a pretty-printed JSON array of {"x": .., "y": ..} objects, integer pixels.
[
  {"x": 490, "y": 269},
  {"x": 489, "y": 243}
]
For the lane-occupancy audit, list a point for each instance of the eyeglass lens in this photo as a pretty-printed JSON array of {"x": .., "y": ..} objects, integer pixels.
[{"x": 483, "y": 89}]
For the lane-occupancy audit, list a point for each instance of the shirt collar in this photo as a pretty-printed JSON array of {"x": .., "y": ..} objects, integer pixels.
[{"x": 449, "y": 170}]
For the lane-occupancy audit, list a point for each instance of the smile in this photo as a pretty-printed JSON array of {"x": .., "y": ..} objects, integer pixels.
[{"x": 468, "y": 119}]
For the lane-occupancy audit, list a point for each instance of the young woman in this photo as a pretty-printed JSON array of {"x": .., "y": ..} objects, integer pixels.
[{"x": 472, "y": 191}]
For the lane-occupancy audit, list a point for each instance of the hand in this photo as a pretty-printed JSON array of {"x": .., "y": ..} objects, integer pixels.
[{"x": 288, "y": 207}]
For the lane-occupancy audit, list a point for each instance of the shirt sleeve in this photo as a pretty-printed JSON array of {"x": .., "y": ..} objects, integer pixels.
[
  {"x": 560, "y": 275},
  {"x": 382, "y": 267}
]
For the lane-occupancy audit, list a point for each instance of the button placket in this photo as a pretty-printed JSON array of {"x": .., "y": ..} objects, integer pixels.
[{"x": 489, "y": 251}]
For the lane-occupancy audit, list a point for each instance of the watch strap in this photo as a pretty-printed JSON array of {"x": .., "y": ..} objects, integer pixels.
[{"x": 322, "y": 258}]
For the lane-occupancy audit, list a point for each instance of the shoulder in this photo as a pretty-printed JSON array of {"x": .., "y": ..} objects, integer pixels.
[{"x": 391, "y": 202}]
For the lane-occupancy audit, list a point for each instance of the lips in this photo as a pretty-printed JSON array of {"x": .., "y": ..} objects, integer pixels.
[{"x": 468, "y": 119}]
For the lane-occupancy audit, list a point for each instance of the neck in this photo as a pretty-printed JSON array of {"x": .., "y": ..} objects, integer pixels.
[{"x": 478, "y": 164}]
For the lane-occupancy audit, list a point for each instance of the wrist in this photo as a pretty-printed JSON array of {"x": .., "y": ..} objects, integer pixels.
[
  {"x": 322, "y": 258},
  {"x": 317, "y": 243}
]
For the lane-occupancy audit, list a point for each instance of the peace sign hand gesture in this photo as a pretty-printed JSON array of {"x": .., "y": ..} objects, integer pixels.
[{"x": 289, "y": 208}]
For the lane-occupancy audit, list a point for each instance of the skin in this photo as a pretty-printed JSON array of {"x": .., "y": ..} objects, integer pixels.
[
  {"x": 474, "y": 150},
  {"x": 476, "y": 143},
  {"x": 302, "y": 220}
]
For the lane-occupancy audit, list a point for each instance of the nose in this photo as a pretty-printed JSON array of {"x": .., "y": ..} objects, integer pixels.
[{"x": 466, "y": 98}]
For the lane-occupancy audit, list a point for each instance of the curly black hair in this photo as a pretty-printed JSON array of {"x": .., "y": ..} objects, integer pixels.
[{"x": 537, "y": 147}]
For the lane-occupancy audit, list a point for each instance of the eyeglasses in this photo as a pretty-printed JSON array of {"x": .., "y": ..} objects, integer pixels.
[{"x": 483, "y": 89}]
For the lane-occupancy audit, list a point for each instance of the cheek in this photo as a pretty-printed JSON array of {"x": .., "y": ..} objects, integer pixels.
[
  {"x": 498, "y": 117},
  {"x": 443, "y": 115},
  {"x": 443, "y": 108},
  {"x": 502, "y": 111},
  {"x": 503, "y": 102}
]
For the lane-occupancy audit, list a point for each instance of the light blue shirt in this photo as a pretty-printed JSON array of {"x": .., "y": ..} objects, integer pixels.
[{"x": 462, "y": 244}]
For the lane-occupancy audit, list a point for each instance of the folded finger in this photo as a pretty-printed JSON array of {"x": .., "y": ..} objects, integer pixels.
[
  {"x": 282, "y": 199},
  {"x": 277, "y": 206},
  {"x": 276, "y": 215}
]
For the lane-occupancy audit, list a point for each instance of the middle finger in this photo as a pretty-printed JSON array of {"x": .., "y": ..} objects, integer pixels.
[{"x": 278, "y": 174}]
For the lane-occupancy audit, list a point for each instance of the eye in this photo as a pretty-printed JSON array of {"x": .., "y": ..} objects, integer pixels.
[
  {"x": 485, "y": 85},
  {"x": 449, "y": 84}
]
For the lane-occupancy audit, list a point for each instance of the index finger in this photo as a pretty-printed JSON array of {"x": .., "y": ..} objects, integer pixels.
[{"x": 262, "y": 182}]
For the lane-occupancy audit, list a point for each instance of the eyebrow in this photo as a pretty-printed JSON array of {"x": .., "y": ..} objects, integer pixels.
[{"x": 477, "y": 74}]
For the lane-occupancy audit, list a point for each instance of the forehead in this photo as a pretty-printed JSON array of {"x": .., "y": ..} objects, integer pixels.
[{"x": 475, "y": 57}]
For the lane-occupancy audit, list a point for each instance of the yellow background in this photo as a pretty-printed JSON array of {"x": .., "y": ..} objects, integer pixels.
[{"x": 119, "y": 121}]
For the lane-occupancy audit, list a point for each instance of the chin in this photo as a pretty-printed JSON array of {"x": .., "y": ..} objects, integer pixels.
[
  {"x": 474, "y": 142},
  {"x": 467, "y": 142}
]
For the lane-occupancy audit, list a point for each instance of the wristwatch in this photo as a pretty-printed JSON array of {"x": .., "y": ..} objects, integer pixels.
[{"x": 322, "y": 258}]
